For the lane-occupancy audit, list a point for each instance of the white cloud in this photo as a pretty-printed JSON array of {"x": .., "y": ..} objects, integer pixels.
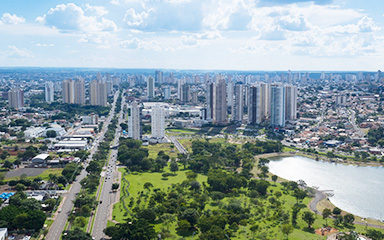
[
  {"x": 271, "y": 34},
  {"x": 366, "y": 24},
  {"x": 137, "y": 20},
  {"x": 142, "y": 44},
  {"x": 70, "y": 17},
  {"x": 130, "y": 44},
  {"x": 11, "y": 19},
  {"x": 293, "y": 23},
  {"x": 189, "y": 41},
  {"x": 14, "y": 52},
  {"x": 45, "y": 45},
  {"x": 96, "y": 10}
]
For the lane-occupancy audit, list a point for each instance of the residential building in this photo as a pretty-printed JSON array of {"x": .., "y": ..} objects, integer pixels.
[
  {"x": 150, "y": 87},
  {"x": 238, "y": 103},
  {"x": 49, "y": 92},
  {"x": 209, "y": 99},
  {"x": 254, "y": 105},
  {"x": 16, "y": 98},
  {"x": 167, "y": 92},
  {"x": 185, "y": 93},
  {"x": 68, "y": 91},
  {"x": 134, "y": 121},
  {"x": 278, "y": 105},
  {"x": 159, "y": 76},
  {"x": 91, "y": 119},
  {"x": 80, "y": 91},
  {"x": 158, "y": 122},
  {"x": 220, "y": 103},
  {"x": 290, "y": 102},
  {"x": 98, "y": 93}
]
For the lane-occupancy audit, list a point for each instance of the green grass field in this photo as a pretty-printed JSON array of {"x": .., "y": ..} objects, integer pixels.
[{"x": 166, "y": 147}]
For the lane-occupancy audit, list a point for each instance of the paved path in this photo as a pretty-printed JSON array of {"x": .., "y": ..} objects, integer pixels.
[{"x": 178, "y": 145}]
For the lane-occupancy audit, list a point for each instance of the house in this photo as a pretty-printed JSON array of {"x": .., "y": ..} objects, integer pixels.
[
  {"x": 40, "y": 159},
  {"x": 3, "y": 233}
]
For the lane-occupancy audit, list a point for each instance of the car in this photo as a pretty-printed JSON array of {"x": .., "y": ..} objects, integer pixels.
[{"x": 59, "y": 211}]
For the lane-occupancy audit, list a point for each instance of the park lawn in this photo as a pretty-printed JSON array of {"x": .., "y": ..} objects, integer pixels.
[
  {"x": 153, "y": 150},
  {"x": 44, "y": 175},
  {"x": 288, "y": 149},
  {"x": 137, "y": 181}
]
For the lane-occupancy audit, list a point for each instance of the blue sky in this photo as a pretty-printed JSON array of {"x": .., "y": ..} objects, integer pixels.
[{"x": 194, "y": 34}]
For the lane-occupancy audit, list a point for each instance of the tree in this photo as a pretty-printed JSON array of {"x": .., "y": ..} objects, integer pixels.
[
  {"x": 51, "y": 134},
  {"x": 7, "y": 164},
  {"x": 76, "y": 234},
  {"x": 132, "y": 229},
  {"x": 93, "y": 167},
  {"x": 309, "y": 218},
  {"x": 167, "y": 219},
  {"x": 287, "y": 229},
  {"x": 115, "y": 186},
  {"x": 148, "y": 185},
  {"x": 20, "y": 187},
  {"x": 299, "y": 194},
  {"x": 174, "y": 166},
  {"x": 183, "y": 226},
  {"x": 80, "y": 221},
  {"x": 336, "y": 211},
  {"x": 348, "y": 219},
  {"x": 191, "y": 215},
  {"x": 274, "y": 178},
  {"x": 326, "y": 213}
]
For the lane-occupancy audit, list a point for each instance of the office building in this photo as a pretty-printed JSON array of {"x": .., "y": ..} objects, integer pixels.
[
  {"x": 16, "y": 98},
  {"x": 158, "y": 122},
  {"x": 278, "y": 105},
  {"x": 68, "y": 91},
  {"x": 80, "y": 91},
  {"x": 238, "y": 103},
  {"x": 134, "y": 121},
  {"x": 290, "y": 102},
  {"x": 150, "y": 87},
  {"x": 49, "y": 92},
  {"x": 98, "y": 93}
]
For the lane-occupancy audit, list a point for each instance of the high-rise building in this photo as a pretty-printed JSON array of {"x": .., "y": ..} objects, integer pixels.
[
  {"x": 49, "y": 92},
  {"x": 80, "y": 91},
  {"x": 16, "y": 98},
  {"x": 98, "y": 93},
  {"x": 254, "y": 105},
  {"x": 167, "y": 92},
  {"x": 277, "y": 105},
  {"x": 158, "y": 122},
  {"x": 220, "y": 103},
  {"x": 195, "y": 97},
  {"x": 290, "y": 102},
  {"x": 134, "y": 121},
  {"x": 180, "y": 83},
  {"x": 230, "y": 95},
  {"x": 150, "y": 87},
  {"x": 265, "y": 89},
  {"x": 238, "y": 104},
  {"x": 185, "y": 93},
  {"x": 210, "y": 99},
  {"x": 68, "y": 91},
  {"x": 159, "y": 76}
]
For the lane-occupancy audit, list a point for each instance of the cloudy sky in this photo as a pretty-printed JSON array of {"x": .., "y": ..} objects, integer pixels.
[{"x": 194, "y": 34}]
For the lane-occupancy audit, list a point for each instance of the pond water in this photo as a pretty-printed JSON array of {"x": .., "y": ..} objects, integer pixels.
[{"x": 358, "y": 190}]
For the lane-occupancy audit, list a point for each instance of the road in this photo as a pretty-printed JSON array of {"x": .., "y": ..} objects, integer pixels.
[
  {"x": 352, "y": 120},
  {"x": 178, "y": 145},
  {"x": 107, "y": 197},
  {"x": 58, "y": 225}
]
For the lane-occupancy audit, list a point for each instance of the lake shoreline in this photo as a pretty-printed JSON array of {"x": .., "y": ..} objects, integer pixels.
[{"x": 326, "y": 202}]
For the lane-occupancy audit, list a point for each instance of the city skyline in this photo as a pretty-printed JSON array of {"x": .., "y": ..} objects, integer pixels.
[{"x": 179, "y": 34}]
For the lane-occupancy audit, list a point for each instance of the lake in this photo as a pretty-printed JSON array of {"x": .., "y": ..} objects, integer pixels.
[{"x": 357, "y": 190}]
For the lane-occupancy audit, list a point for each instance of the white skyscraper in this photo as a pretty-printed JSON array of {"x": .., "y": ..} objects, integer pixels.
[
  {"x": 150, "y": 87},
  {"x": 230, "y": 95},
  {"x": 238, "y": 104},
  {"x": 49, "y": 92},
  {"x": 158, "y": 122},
  {"x": 290, "y": 102},
  {"x": 278, "y": 105},
  {"x": 210, "y": 92},
  {"x": 134, "y": 121}
]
